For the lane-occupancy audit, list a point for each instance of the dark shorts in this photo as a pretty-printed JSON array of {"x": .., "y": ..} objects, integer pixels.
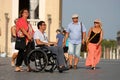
[{"x": 65, "y": 49}]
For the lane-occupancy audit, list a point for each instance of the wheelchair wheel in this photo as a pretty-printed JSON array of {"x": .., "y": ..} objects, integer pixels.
[
  {"x": 51, "y": 63},
  {"x": 38, "y": 59}
]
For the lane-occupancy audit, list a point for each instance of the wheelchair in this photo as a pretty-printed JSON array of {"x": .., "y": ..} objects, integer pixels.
[{"x": 42, "y": 59}]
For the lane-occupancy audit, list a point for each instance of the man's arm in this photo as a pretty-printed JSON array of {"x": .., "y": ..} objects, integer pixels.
[
  {"x": 84, "y": 37},
  {"x": 38, "y": 42},
  {"x": 83, "y": 33}
]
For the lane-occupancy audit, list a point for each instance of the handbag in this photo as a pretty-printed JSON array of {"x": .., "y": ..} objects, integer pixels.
[{"x": 20, "y": 43}]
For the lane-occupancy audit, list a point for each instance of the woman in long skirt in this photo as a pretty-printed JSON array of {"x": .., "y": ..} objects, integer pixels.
[{"x": 95, "y": 36}]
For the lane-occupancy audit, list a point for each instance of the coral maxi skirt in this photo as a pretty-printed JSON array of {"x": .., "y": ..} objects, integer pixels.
[{"x": 94, "y": 54}]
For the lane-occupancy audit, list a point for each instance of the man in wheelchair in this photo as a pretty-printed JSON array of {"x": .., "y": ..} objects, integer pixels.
[{"x": 40, "y": 38}]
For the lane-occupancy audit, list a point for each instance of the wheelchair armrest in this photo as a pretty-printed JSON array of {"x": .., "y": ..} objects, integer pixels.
[{"x": 40, "y": 45}]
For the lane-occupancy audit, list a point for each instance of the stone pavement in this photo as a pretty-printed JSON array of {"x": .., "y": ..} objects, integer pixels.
[{"x": 106, "y": 70}]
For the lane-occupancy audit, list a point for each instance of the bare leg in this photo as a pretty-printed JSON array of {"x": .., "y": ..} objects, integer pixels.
[
  {"x": 14, "y": 56},
  {"x": 66, "y": 56},
  {"x": 76, "y": 60},
  {"x": 29, "y": 68},
  {"x": 70, "y": 61}
]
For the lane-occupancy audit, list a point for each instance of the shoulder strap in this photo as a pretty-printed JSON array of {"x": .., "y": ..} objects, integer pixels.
[{"x": 92, "y": 37}]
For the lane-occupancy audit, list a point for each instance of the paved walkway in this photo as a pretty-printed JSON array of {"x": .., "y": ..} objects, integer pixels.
[{"x": 106, "y": 70}]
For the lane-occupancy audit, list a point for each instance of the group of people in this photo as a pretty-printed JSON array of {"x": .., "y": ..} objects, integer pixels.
[
  {"x": 75, "y": 34},
  {"x": 22, "y": 28}
]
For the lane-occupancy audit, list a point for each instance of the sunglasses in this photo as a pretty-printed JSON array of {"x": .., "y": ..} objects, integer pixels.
[
  {"x": 96, "y": 22},
  {"x": 75, "y": 18}
]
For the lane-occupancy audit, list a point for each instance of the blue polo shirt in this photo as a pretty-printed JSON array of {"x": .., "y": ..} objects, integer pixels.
[
  {"x": 74, "y": 31},
  {"x": 60, "y": 38}
]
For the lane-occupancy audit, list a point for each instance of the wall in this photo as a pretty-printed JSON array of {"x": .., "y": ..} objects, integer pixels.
[
  {"x": 5, "y": 8},
  {"x": 51, "y": 7},
  {"x": 54, "y": 11}
]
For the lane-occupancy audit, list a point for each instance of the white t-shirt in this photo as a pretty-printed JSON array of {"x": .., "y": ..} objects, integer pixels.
[{"x": 39, "y": 35}]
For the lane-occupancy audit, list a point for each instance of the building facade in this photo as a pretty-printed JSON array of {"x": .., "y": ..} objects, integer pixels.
[{"x": 48, "y": 10}]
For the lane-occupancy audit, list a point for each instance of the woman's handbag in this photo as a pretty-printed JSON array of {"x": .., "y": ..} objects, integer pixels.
[{"x": 20, "y": 43}]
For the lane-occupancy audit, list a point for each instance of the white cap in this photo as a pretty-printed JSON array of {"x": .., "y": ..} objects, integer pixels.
[
  {"x": 97, "y": 20},
  {"x": 75, "y": 15}
]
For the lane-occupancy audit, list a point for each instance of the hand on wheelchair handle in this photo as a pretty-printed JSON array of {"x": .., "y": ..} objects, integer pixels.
[
  {"x": 55, "y": 44},
  {"x": 51, "y": 44}
]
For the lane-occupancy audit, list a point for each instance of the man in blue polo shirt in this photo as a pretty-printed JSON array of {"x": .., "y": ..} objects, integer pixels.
[{"x": 75, "y": 39}]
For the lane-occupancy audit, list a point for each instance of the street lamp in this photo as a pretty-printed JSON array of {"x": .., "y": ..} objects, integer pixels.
[
  {"x": 49, "y": 23},
  {"x": 6, "y": 35}
]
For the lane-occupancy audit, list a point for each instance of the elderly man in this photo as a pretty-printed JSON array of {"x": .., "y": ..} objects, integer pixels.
[
  {"x": 40, "y": 38},
  {"x": 75, "y": 39}
]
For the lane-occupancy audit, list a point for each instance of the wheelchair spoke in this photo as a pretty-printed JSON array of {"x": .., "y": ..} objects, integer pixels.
[
  {"x": 39, "y": 58},
  {"x": 42, "y": 60},
  {"x": 51, "y": 63}
]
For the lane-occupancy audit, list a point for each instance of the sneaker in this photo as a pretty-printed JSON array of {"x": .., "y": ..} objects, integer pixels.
[{"x": 63, "y": 69}]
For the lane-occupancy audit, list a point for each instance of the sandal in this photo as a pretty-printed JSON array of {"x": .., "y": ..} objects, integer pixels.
[
  {"x": 70, "y": 67},
  {"x": 12, "y": 64},
  {"x": 93, "y": 68},
  {"x": 19, "y": 70}
]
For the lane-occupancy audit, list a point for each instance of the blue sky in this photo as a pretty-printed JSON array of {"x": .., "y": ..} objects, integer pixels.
[{"x": 108, "y": 11}]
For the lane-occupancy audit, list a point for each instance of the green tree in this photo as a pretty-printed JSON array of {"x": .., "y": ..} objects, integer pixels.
[{"x": 109, "y": 43}]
